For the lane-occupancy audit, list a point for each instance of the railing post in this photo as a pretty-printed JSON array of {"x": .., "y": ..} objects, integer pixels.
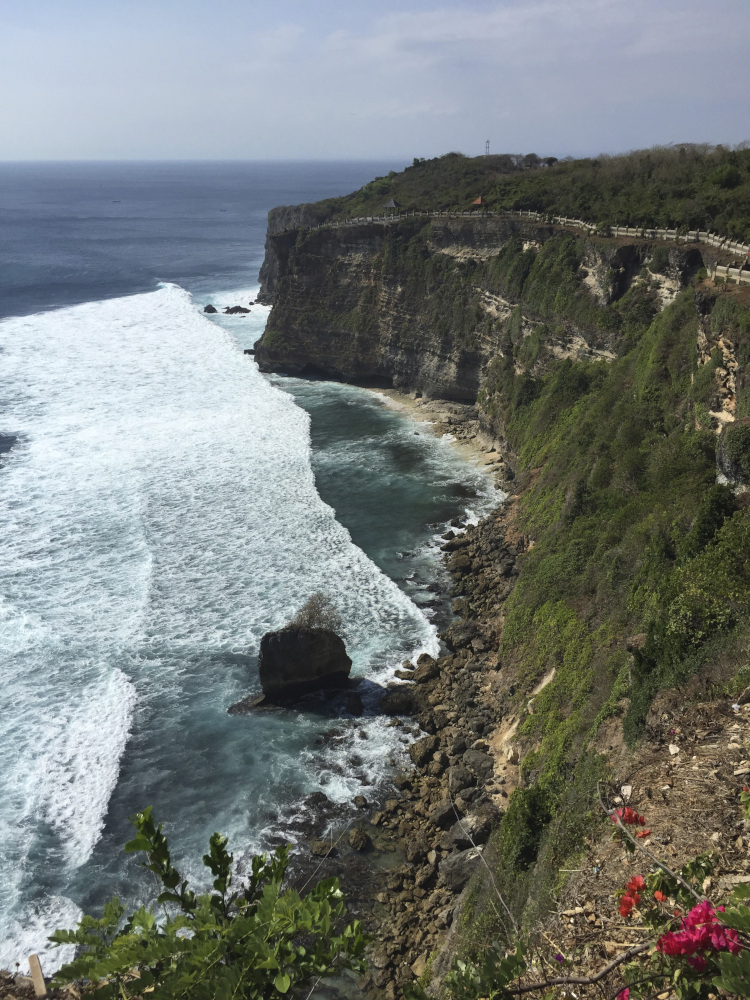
[{"x": 37, "y": 979}]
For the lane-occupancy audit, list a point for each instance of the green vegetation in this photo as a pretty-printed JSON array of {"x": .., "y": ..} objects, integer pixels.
[
  {"x": 256, "y": 942},
  {"x": 617, "y": 467},
  {"x": 689, "y": 186}
]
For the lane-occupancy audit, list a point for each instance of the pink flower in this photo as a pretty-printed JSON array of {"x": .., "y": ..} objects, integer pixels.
[{"x": 701, "y": 933}]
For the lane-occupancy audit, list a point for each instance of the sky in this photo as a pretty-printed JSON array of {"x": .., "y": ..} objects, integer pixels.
[{"x": 354, "y": 79}]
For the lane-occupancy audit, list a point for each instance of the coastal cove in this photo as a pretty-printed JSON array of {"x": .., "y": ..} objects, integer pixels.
[
  {"x": 514, "y": 454},
  {"x": 166, "y": 510}
]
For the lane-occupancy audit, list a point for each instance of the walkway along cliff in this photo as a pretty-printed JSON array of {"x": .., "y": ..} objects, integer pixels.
[{"x": 611, "y": 373}]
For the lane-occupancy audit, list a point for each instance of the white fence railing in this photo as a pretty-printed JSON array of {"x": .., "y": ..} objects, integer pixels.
[{"x": 738, "y": 274}]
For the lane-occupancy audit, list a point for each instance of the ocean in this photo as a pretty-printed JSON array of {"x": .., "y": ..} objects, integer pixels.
[{"x": 164, "y": 504}]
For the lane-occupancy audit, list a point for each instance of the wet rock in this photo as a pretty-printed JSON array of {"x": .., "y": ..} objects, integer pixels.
[
  {"x": 427, "y": 670},
  {"x": 358, "y": 840},
  {"x": 400, "y": 699},
  {"x": 353, "y": 704},
  {"x": 360, "y": 802},
  {"x": 321, "y": 848},
  {"x": 235, "y": 311},
  {"x": 209, "y": 308},
  {"x": 295, "y": 660}
]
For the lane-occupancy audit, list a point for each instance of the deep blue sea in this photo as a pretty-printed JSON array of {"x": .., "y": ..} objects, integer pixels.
[{"x": 163, "y": 505}]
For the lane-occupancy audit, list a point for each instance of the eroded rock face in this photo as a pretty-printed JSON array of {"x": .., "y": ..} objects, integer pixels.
[
  {"x": 733, "y": 451},
  {"x": 294, "y": 661}
]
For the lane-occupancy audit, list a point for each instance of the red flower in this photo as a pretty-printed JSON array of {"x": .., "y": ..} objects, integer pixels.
[
  {"x": 643, "y": 833},
  {"x": 637, "y": 882},
  {"x": 623, "y": 994},
  {"x": 660, "y": 897},
  {"x": 628, "y": 816}
]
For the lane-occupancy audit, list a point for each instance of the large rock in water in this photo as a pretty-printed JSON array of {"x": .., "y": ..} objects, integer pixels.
[{"x": 295, "y": 661}]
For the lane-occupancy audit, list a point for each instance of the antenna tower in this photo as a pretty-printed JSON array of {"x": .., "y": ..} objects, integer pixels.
[{"x": 487, "y": 148}]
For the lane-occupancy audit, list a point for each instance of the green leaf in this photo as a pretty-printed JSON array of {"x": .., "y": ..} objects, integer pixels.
[{"x": 282, "y": 982}]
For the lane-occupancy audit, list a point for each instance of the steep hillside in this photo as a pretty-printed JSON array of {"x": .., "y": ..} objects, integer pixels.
[{"x": 613, "y": 376}]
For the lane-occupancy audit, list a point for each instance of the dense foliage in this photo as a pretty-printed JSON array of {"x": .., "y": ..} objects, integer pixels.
[
  {"x": 689, "y": 186},
  {"x": 254, "y": 942}
]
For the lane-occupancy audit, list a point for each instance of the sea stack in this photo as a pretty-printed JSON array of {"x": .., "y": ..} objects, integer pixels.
[{"x": 296, "y": 660}]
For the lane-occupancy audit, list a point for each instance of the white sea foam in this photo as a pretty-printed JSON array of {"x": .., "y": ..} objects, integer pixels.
[{"x": 160, "y": 513}]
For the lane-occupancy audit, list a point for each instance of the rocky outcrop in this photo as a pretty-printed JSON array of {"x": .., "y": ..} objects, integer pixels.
[
  {"x": 295, "y": 661},
  {"x": 733, "y": 452},
  {"x": 279, "y": 219},
  {"x": 209, "y": 309},
  {"x": 347, "y": 306}
]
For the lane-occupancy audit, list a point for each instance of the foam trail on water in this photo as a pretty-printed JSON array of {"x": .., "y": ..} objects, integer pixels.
[{"x": 161, "y": 514}]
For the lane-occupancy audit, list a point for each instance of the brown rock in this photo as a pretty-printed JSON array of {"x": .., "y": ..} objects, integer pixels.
[
  {"x": 358, "y": 839},
  {"x": 421, "y": 751}
]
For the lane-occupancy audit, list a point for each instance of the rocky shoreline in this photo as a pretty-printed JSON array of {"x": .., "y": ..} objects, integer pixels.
[{"x": 405, "y": 858}]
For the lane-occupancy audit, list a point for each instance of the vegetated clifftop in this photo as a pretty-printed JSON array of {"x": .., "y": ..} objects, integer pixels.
[{"x": 614, "y": 376}]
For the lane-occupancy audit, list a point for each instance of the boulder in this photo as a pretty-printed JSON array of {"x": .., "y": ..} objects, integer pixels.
[
  {"x": 321, "y": 848},
  {"x": 235, "y": 311},
  {"x": 427, "y": 669},
  {"x": 471, "y": 830},
  {"x": 358, "y": 839},
  {"x": 421, "y": 751},
  {"x": 456, "y": 870},
  {"x": 480, "y": 763},
  {"x": 209, "y": 308},
  {"x": 294, "y": 661},
  {"x": 443, "y": 814},
  {"x": 400, "y": 699},
  {"x": 459, "y": 777}
]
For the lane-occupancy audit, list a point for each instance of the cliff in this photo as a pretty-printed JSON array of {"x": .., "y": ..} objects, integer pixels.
[
  {"x": 613, "y": 376},
  {"x": 424, "y": 304}
]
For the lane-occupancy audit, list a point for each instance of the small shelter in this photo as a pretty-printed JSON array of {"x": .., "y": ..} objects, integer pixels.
[
  {"x": 391, "y": 206},
  {"x": 478, "y": 203}
]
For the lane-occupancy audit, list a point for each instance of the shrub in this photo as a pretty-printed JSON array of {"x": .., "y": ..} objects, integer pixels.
[
  {"x": 253, "y": 943},
  {"x": 318, "y": 611}
]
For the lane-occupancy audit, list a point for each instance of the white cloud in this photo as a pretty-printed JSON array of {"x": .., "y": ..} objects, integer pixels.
[{"x": 555, "y": 76}]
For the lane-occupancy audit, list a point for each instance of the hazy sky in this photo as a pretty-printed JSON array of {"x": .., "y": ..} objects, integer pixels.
[{"x": 174, "y": 79}]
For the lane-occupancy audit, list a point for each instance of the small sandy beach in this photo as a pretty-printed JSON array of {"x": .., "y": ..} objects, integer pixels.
[{"x": 460, "y": 421}]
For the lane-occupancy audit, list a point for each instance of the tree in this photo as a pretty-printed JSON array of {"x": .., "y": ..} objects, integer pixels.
[
  {"x": 252, "y": 943},
  {"x": 318, "y": 611}
]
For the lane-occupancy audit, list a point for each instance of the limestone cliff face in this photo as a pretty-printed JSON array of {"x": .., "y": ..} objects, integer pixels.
[{"x": 424, "y": 303}]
